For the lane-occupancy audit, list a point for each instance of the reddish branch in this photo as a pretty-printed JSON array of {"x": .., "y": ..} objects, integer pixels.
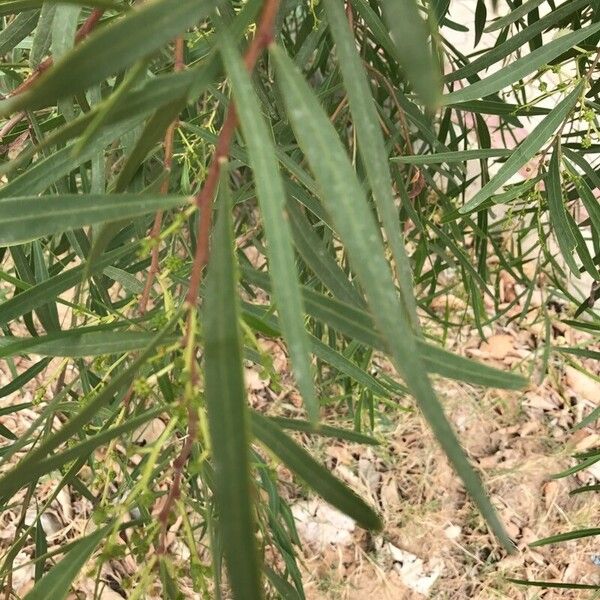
[
  {"x": 204, "y": 201},
  {"x": 81, "y": 33}
]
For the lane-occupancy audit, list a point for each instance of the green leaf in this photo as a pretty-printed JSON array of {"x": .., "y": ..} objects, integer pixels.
[
  {"x": 26, "y": 218},
  {"x": 19, "y": 28},
  {"x": 521, "y": 67},
  {"x": 18, "y": 382},
  {"x": 317, "y": 477},
  {"x": 503, "y": 50},
  {"x": 110, "y": 49},
  {"x": 77, "y": 343},
  {"x": 57, "y": 582},
  {"x": 565, "y": 537},
  {"x": 280, "y": 251},
  {"x": 557, "y": 211},
  {"x": 372, "y": 149},
  {"x": 324, "y": 430},
  {"x": 410, "y": 35},
  {"x": 318, "y": 258},
  {"x": 526, "y": 150},
  {"x": 227, "y": 410},
  {"x": 452, "y": 157},
  {"x": 39, "y": 294},
  {"x": 24, "y": 471},
  {"x": 154, "y": 130},
  {"x": 554, "y": 584},
  {"x": 46, "y": 171},
  {"x": 269, "y": 326},
  {"x": 345, "y": 201},
  {"x": 81, "y": 450},
  {"x": 514, "y": 15},
  {"x": 358, "y": 325}
]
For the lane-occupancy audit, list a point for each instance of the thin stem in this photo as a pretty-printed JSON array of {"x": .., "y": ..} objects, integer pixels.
[
  {"x": 204, "y": 201},
  {"x": 179, "y": 65},
  {"x": 205, "y": 197}
]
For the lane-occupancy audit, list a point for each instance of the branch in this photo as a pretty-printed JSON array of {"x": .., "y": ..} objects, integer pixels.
[{"x": 204, "y": 201}]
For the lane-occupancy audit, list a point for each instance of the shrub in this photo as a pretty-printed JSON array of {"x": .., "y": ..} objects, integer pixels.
[{"x": 326, "y": 141}]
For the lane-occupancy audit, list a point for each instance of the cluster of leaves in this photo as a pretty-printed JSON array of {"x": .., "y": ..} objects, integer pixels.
[{"x": 351, "y": 148}]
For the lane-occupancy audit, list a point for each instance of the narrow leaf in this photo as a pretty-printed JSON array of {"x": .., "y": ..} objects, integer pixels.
[
  {"x": 280, "y": 251},
  {"x": 302, "y": 464},
  {"x": 520, "y": 67},
  {"x": 57, "y": 582},
  {"x": 26, "y": 218},
  {"x": 411, "y": 37},
  {"x": 227, "y": 411},
  {"x": 138, "y": 34},
  {"x": 526, "y": 150},
  {"x": 344, "y": 199}
]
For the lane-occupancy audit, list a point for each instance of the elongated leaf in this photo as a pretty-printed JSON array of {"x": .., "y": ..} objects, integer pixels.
[
  {"x": 20, "y": 474},
  {"x": 83, "y": 449},
  {"x": 153, "y": 131},
  {"x": 452, "y": 157},
  {"x": 140, "y": 33},
  {"x": 504, "y": 49},
  {"x": 514, "y": 15},
  {"x": 322, "y": 351},
  {"x": 20, "y": 27},
  {"x": 359, "y": 325},
  {"x": 556, "y": 208},
  {"x": 372, "y": 149},
  {"x": 271, "y": 196},
  {"x": 77, "y": 343},
  {"x": 520, "y": 67},
  {"x": 39, "y": 294},
  {"x": 318, "y": 258},
  {"x": 302, "y": 464},
  {"x": 344, "y": 199},
  {"x": 554, "y": 584},
  {"x": 18, "y": 382},
  {"x": 565, "y": 537},
  {"x": 410, "y": 35},
  {"x": 526, "y": 150},
  {"x": 57, "y": 582},
  {"x": 227, "y": 411},
  {"x": 26, "y": 218},
  {"x": 324, "y": 430},
  {"x": 43, "y": 173}
]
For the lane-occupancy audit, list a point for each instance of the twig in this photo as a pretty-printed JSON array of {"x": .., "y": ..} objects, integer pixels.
[
  {"x": 81, "y": 33},
  {"x": 204, "y": 198},
  {"x": 164, "y": 188},
  {"x": 204, "y": 201}
]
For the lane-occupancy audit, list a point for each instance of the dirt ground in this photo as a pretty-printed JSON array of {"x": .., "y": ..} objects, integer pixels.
[{"x": 435, "y": 544}]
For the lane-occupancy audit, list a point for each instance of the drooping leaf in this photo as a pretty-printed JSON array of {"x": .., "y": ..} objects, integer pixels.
[
  {"x": 25, "y": 218},
  {"x": 526, "y": 150},
  {"x": 410, "y": 35},
  {"x": 345, "y": 201},
  {"x": 138, "y": 34},
  {"x": 302, "y": 464},
  {"x": 227, "y": 409},
  {"x": 57, "y": 582},
  {"x": 520, "y": 67},
  {"x": 271, "y": 196}
]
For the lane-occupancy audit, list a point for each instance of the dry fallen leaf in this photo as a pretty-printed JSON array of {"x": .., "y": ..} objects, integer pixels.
[
  {"x": 498, "y": 346},
  {"x": 582, "y": 384}
]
